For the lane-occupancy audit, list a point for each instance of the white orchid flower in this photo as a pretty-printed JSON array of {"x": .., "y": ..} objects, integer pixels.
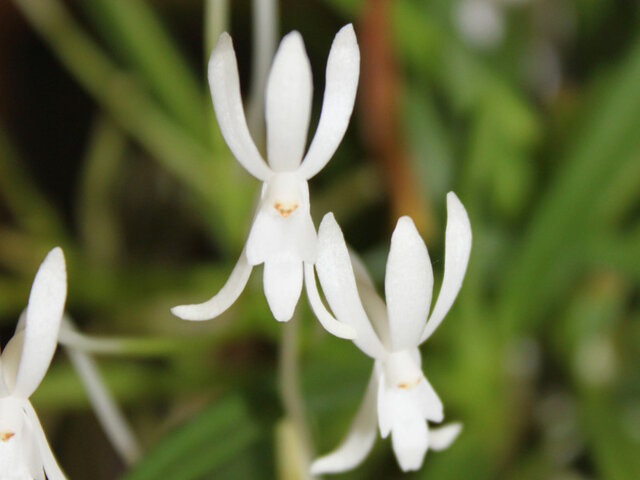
[
  {"x": 282, "y": 236},
  {"x": 24, "y": 451},
  {"x": 399, "y": 399}
]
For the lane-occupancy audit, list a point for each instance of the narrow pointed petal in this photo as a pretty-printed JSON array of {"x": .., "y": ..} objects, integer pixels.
[
  {"x": 358, "y": 442},
  {"x": 456, "y": 258},
  {"x": 282, "y": 285},
  {"x": 339, "y": 286},
  {"x": 288, "y": 104},
  {"x": 51, "y": 467},
  {"x": 408, "y": 285},
  {"x": 104, "y": 405},
  {"x": 221, "y": 301},
  {"x": 330, "y": 324},
  {"x": 343, "y": 70},
  {"x": 224, "y": 83},
  {"x": 441, "y": 438},
  {"x": 410, "y": 441},
  {"x": 43, "y": 317}
]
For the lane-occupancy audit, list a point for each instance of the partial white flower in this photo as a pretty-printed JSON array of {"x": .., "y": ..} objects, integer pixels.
[
  {"x": 282, "y": 236},
  {"x": 399, "y": 399},
  {"x": 115, "y": 426},
  {"x": 24, "y": 451}
]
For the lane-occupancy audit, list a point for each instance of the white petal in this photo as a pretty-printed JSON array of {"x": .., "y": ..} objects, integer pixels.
[
  {"x": 408, "y": 285},
  {"x": 410, "y": 441},
  {"x": 32, "y": 457},
  {"x": 394, "y": 403},
  {"x": 43, "y": 317},
  {"x": 372, "y": 302},
  {"x": 457, "y": 250},
  {"x": 11, "y": 359},
  {"x": 223, "y": 299},
  {"x": 358, "y": 442},
  {"x": 288, "y": 104},
  {"x": 390, "y": 403},
  {"x": 343, "y": 70},
  {"x": 442, "y": 437},
  {"x": 282, "y": 285},
  {"x": 272, "y": 235},
  {"x": 330, "y": 324},
  {"x": 430, "y": 404},
  {"x": 227, "y": 102},
  {"x": 51, "y": 467},
  {"x": 339, "y": 286},
  {"x": 104, "y": 405}
]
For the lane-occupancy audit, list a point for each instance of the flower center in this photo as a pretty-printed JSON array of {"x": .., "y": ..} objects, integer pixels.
[
  {"x": 285, "y": 193},
  {"x": 409, "y": 384},
  {"x": 285, "y": 208},
  {"x": 401, "y": 370}
]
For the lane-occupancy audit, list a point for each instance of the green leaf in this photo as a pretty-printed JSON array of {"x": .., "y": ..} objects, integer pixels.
[
  {"x": 224, "y": 206},
  {"x": 195, "y": 450},
  {"x": 544, "y": 264},
  {"x": 135, "y": 32}
]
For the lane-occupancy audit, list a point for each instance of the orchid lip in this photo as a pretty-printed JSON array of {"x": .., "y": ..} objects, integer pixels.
[{"x": 4, "y": 436}]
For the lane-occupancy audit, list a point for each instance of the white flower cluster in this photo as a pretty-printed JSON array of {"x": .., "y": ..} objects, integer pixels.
[{"x": 399, "y": 399}]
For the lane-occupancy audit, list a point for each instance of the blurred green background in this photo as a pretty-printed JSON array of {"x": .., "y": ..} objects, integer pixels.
[{"x": 528, "y": 110}]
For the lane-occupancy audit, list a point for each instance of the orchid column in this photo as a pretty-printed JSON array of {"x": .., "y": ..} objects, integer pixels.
[{"x": 282, "y": 236}]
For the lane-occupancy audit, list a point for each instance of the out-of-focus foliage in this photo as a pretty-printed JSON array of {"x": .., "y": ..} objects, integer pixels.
[{"x": 538, "y": 357}]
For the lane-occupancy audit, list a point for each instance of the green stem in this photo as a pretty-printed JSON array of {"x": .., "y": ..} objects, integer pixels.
[{"x": 292, "y": 399}]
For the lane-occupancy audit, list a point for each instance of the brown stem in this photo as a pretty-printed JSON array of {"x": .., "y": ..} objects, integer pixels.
[{"x": 381, "y": 115}]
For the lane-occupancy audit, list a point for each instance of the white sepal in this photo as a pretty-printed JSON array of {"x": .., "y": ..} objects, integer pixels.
[
  {"x": 224, "y": 83},
  {"x": 410, "y": 441},
  {"x": 456, "y": 258},
  {"x": 330, "y": 324},
  {"x": 223, "y": 299},
  {"x": 288, "y": 104},
  {"x": 282, "y": 284},
  {"x": 408, "y": 285},
  {"x": 343, "y": 70},
  {"x": 43, "y": 317},
  {"x": 339, "y": 286}
]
